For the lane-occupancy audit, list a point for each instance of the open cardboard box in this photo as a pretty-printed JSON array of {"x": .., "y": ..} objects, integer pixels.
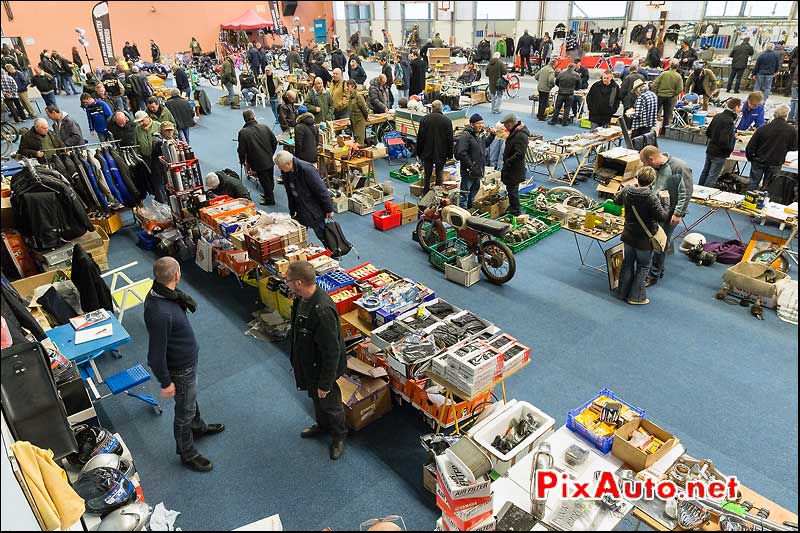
[
  {"x": 365, "y": 393},
  {"x": 633, "y": 456}
]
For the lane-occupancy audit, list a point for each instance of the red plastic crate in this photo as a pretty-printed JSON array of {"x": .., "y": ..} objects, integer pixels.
[
  {"x": 366, "y": 276},
  {"x": 383, "y": 223},
  {"x": 346, "y": 305}
]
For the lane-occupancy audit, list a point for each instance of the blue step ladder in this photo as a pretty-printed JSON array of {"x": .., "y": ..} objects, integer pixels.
[{"x": 129, "y": 379}]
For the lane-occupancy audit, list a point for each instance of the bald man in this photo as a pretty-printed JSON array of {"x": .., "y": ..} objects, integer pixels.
[
  {"x": 172, "y": 356},
  {"x": 39, "y": 141}
]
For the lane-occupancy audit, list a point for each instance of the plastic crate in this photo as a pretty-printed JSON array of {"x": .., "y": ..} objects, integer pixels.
[
  {"x": 334, "y": 280},
  {"x": 437, "y": 256},
  {"x": 363, "y": 272},
  {"x": 346, "y": 304},
  {"x": 601, "y": 443},
  {"x": 146, "y": 241},
  {"x": 384, "y": 222},
  {"x": 519, "y": 246},
  {"x": 260, "y": 251},
  {"x": 396, "y": 174}
]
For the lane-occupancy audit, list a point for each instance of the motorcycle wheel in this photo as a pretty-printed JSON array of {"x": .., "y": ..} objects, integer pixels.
[
  {"x": 426, "y": 235},
  {"x": 497, "y": 261},
  {"x": 769, "y": 257},
  {"x": 213, "y": 79}
]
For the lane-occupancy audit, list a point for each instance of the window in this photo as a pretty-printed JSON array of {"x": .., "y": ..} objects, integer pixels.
[
  {"x": 495, "y": 10},
  {"x": 599, "y": 10},
  {"x": 771, "y": 8},
  {"x": 339, "y": 11},
  {"x": 723, "y": 9},
  {"x": 417, "y": 11}
]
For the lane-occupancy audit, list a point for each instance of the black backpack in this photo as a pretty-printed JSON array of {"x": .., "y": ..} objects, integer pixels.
[{"x": 335, "y": 241}]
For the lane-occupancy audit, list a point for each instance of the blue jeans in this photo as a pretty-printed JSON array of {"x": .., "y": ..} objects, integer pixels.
[
  {"x": 119, "y": 101},
  {"x": 249, "y": 96},
  {"x": 49, "y": 99},
  {"x": 793, "y": 103},
  {"x": 763, "y": 84},
  {"x": 759, "y": 172},
  {"x": 183, "y": 134},
  {"x": 657, "y": 267},
  {"x": 402, "y": 93},
  {"x": 711, "y": 171},
  {"x": 65, "y": 81},
  {"x": 229, "y": 87},
  {"x": 497, "y": 97},
  {"x": 635, "y": 267},
  {"x": 187, "y": 421},
  {"x": 273, "y": 103},
  {"x": 469, "y": 189},
  {"x": 495, "y": 152}
]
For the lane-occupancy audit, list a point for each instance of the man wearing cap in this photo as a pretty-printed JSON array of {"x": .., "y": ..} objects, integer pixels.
[
  {"x": 221, "y": 184},
  {"x": 568, "y": 81},
  {"x": 434, "y": 143},
  {"x": 513, "y": 172},
  {"x": 158, "y": 171},
  {"x": 644, "y": 110},
  {"x": 703, "y": 83},
  {"x": 471, "y": 152},
  {"x": 257, "y": 144},
  {"x": 97, "y": 114},
  {"x": 183, "y": 112},
  {"x": 146, "y": 129}
]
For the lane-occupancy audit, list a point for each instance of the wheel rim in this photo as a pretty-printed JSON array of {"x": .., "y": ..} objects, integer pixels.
[
  {"x": 495, "y": 262},
  {"x": 513, "y": 87},
  {"x": 426, "y": 234}
]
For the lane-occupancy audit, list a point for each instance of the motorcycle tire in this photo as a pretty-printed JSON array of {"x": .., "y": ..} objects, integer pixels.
[
  {"x": 426, "y": 235},
  {"x": 493, "y": 255},
  {"x": 213, "y": 79},
  {"x": 769, "y": 257}
]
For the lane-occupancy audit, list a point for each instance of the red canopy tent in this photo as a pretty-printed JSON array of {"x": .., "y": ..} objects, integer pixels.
[{"x": 249, "y": 20}]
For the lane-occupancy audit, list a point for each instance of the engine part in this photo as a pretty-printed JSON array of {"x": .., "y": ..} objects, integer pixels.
[
  {"x": 691, "y": 514},
  {"x": 575, "y": 455}
]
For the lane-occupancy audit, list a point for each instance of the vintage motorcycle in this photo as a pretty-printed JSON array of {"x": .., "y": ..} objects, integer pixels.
[{"x": 481, "y": 236}]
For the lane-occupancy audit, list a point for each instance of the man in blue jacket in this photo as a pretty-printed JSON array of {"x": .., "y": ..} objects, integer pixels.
[
  {"x": 752, "y": 111},
  {"x": 172, "y": 356},
  {"x": 310, "y": 200},
  {"x": 97, "y": 114},
  {"x": 767, "y": 65}
]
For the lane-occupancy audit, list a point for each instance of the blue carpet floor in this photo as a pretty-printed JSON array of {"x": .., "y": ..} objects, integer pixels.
[{"x": 720, "y": 380}]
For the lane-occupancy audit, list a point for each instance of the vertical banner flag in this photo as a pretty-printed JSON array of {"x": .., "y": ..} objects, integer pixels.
[
  {"x": 102, "y": 26},
  {"x": 276, "y": 16}
]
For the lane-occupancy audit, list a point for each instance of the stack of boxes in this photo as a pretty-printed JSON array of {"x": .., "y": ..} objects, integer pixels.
[
  {"x": 473, "y": 365},
  {"x": 465, "y": 505}
]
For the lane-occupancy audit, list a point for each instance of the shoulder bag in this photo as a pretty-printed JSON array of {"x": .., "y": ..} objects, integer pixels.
[{"x": 658, "y": 241}]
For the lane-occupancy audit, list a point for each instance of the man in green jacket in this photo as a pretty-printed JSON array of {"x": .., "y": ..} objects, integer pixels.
[
  {"x": 228, "y": 77},
  {"x": 320, "y": 102},
  {"x": 146, "y": 128},
  {"x": 158, "y": 112},
  {"x": 667, "y": 86},
  {"x": 547, "y": 80},
  {"x": 317, "y": 354}
]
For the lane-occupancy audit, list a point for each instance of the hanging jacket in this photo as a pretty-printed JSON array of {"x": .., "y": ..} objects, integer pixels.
[
  {"x": 101, "y": 179},
  {"x": 108, "y": 177},
  {"x": 81, "y": 186},
  {"x": 501, "y": 47},
  {"x": 91, "y": 187},
  {"x": 15, "y": 311},
  {"x": 125, "y": 174},
  {"x": 85, "y": 274},
  {"x": 99, "y": 193},
  {"x": 127, "y": 198}
]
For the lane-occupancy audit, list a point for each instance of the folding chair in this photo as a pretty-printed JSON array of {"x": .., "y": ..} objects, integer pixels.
[
  {"x": 126, "y": 381},
  {"x": 129, "y": 295}
]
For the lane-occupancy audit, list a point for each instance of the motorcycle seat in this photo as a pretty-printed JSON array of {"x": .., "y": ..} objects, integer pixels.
[{"x": 495, "y": 228}]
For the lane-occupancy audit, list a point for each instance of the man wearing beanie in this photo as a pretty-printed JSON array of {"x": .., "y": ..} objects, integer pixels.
[
  {"x": 471, "y": 152},
  {"x": 434, "y": 143},
  {"x": 221, "y": 184},
  {"x": 513, "y": 172}
]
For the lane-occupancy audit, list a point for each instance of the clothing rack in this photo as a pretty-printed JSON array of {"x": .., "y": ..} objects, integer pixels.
[{"x": 67, "y": 148}]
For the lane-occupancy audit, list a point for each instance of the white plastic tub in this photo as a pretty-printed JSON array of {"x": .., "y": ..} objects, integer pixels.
[{"x": 485, "y": 432}]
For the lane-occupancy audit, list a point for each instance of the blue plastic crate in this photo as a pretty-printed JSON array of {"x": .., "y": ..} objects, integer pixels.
[
  {"x": 334, "y": 280},
  {"x": 601, "y": 443},
  {"x": 146, "y": 241}
]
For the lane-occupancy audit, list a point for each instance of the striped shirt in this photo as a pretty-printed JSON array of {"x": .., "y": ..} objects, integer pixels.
[{"x": 645, "y": 110}]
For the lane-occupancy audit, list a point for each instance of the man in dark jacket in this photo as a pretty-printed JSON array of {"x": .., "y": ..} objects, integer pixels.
[
  {"x": 172, "y": 356},
  {"x": 318, "y": 354},
  {"x": 183, "y": 113},
  {"x": 97, "y": 114},
  {"x": 155, "y": 51},
  {"x": 741, "y": 54},
  {"x": 287, "y": 115},
  {"x": 471, "y": 152},
  {"x": 221, "y": 184},
  {"x": 293, "y": 59},
  {"x": 306, "y": 137},
  {"x": 686, "y": 56},
  {"x": 513, "y": 172},
  {"x": 434, "y": 143},
  {"x": 39, "y": 141},
  {"x": 254, "y": 58},
  {"x": 524, "y": 50},
  {"x": 46, "y": 85},
  {"x": 768, "y": 63},
  {"x": 67, "y": 129},
  {"x": 495, "y": 70},
  {"x": 309, "y": 199},
  {"x": 603, "y": 99},
  {"x": 653, "y": 58},
  {"x": 568, "y": 82},
  {"x": 418, "y": 69},
  {"x": 768, "y": 147},
  {"x": 338, "y": 60},
  {"x": 626, "y": 89},
  {"x": 182, "y": 80},
  {"x": 378, "y": 97},
  {"x": 122, "y": 129},
  {"x": 257, "y": 144},
  {"x": 583, "y": 72},
  {"x": 129, "y": 52},
  {"x": 386, "y": 70},
  {"x": 721, "y": 133}
]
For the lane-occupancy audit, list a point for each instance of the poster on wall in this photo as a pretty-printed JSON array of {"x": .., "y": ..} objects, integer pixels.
[
  {"x": 276, "y": 16},
  {"x": 102, "y": 26}
]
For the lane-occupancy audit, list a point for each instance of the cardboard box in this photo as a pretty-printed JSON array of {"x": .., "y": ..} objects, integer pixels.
[
  {"x": 6, "y": 213},
  {"x": 111, "y": 223},
  {"x": 454, "y": 483},
  {"x": 614, "y": 186},
  {"x": 26, "y": 286},
  {"x": 633, "y": 456},
  {"x": 625, "y": 167},
  {"x": 429, "y": 476},
  {"x": 416, "y": 188},
  {"x": 409, "y": 212},
  {"x": 365, "y": 394},
  {"x": 486, "y": 525},
  {"x": 466, "y": 518}
]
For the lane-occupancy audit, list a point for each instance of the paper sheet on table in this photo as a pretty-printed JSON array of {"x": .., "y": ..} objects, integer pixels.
[
  {"x": 778, "y": 211},
  {"x": 728, "y": 198},
  {"x": 703, "y": 193},
  {"x": 163, "y": 519}
]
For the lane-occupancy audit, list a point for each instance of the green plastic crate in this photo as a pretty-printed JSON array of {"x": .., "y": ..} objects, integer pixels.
[
  {"x": 517, "y": 247},
  {"x": 439, "y": 258},
  {"x": 396, "y": 174}
]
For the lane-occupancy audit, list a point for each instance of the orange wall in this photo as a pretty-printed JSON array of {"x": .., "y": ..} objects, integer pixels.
[{"x": 172, "y": 25}]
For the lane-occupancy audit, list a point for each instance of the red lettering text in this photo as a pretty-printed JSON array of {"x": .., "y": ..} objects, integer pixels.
[
  {"x": 607, "y": 485},
  {"x": 545, "y": 480}
]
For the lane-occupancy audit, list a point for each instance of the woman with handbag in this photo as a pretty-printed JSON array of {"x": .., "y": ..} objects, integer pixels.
[{"x": 642, "y": 234}]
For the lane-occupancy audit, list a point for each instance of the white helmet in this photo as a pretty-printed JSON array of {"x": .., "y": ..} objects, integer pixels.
[{"x": 691, "y": 240}]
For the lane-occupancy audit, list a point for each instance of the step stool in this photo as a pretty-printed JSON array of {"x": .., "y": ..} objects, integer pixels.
[{"x": 128, "y": 379}]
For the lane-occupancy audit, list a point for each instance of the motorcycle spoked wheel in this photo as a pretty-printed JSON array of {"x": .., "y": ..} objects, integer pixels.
[
  {"x": 497, "y": 261},
  {"x": 213, "y": 79},
  {"x": 426, "y": 235}
]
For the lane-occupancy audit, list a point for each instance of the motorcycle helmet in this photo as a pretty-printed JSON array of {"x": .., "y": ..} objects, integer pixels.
[
  {"x": 105, "y": 489},
  {"x": 110, "y": 460},
  {"x": 92, "y": 441},
  {"x": 132, "y": 517},
  {"x": 691, "y": 240}
]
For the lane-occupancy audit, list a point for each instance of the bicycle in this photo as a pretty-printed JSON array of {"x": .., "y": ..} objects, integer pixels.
[
  {"x": 511, "y": 90},
  {"x": 10, "y": 135},
  {"x": 782, "y": 254}
]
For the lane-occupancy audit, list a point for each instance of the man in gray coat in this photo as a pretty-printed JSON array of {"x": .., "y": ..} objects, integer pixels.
[
  {"x": 67, "y": 129},
  {"x": 547, "y": 80},
  {"x": 674, "y": 177},
  {"x": 740, "y": 55}
]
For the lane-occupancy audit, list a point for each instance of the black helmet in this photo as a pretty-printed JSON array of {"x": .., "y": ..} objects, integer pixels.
[
  {"x": 105, "y": 489},
  {"x": 91, "y": 441}
]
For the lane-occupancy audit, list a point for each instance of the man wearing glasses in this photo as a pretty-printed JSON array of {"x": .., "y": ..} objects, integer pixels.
[{"x": 318, "y": 354}]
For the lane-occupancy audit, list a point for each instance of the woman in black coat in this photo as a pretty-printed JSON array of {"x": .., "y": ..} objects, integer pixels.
[
  {"x": 417, "y": 83},
  {"x": 653, "y": 211},
  {"x": 306, "y": 138},
  {"x": 514, "y": 171}
]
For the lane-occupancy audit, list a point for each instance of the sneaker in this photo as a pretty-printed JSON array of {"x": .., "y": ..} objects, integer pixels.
[
  {"x": 650, "y": 281},
  {"x": 337, "y": 449},
  {"x": 311, "y": 432},
  {"x": 642, "y": 302},
  {"x": 212, "y": 429},
  {"x": 198, "y": 464}
]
